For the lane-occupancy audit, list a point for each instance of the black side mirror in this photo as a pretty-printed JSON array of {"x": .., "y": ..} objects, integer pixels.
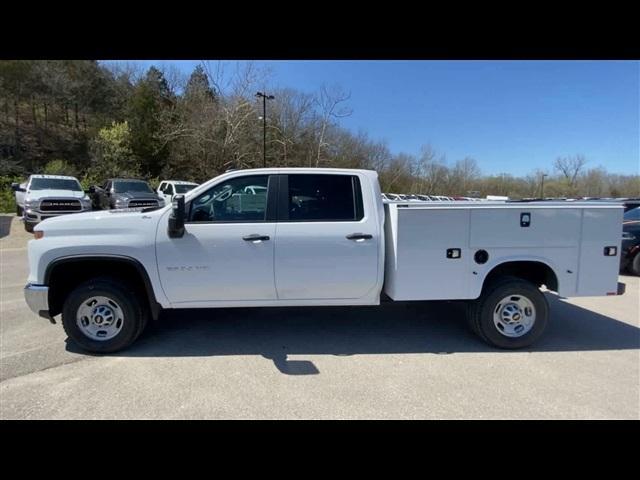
[
  {"x": 175, "y": 228},
  {"x": 17, "y": 188},
  {"x": 92, "y": 189}
]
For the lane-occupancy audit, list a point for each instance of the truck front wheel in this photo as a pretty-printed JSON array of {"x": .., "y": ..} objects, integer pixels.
[
  {"x": 511, "y": 313},
  {"x": 103, "y": 316}
]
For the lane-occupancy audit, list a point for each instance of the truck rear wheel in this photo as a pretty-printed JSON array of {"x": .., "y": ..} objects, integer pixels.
[
  {"x": 634, "y": 265},
  {"x": 103, "y": 316},
  {"x": 18, "y": 211},
  {"x": 511, "y": 313}
]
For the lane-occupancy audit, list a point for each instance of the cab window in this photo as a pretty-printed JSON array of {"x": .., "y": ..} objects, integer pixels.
[
  {"x": 241, "y": 199},
  {"x": 324, "y": 198}
]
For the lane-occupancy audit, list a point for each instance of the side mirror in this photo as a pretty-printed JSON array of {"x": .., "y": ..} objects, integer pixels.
[
  {"x": 17, "y": 188},
  {"x": 92, "y": 189},
  {"x": 175, "y": 228}
]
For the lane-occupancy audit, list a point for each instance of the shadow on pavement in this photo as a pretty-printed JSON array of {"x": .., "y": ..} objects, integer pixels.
[
  {"x": 429, "y": 327},
  {"x": 5, "y": 225}
]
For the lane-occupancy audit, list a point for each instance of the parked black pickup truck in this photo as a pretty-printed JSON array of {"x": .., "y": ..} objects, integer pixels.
[
  {"x": 124, "y": 193},
  {"x": 630, "y": 253}
]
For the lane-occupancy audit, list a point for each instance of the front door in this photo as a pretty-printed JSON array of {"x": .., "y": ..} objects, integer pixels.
[
  {"x": 227, "y": 251},
  {"x": 327, "y": 247}
]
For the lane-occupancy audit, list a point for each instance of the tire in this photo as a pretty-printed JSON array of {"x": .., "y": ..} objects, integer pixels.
[
  {"x": 29, "y": 227},
  {"x": 512, "y": 323},
  {"x": 18, "y": 211},
  {"x": 122, "y": 306},
  {"x": 634, "y": 265}
]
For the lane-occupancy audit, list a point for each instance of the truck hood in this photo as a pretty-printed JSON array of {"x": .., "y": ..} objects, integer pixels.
[
  {"x": 137, "y": 196},
  {"x": 38, "y": 194},
  {"x": 103, "y": 223}
]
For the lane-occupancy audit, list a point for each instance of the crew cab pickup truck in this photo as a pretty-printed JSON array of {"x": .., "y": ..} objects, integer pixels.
[
  {"x": 125, "y": 193},
  {"x": 317, "y": 237},
  {"x": 168, "y": 188},
  {"x": 46, "y": 196}
]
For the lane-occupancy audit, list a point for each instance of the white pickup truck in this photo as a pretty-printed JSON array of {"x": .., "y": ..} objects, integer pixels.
[
  {"x": 46, "y": 196},
  {"x": 318, "y": 237}
]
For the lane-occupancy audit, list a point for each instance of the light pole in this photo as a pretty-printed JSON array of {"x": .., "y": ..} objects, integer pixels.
[
  {"x": 542, "y": 186},
  {"x": 265, "y": 97}
]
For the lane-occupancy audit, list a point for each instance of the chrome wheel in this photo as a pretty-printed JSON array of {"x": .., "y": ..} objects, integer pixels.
[
  {"x": 514, "y": 316},
  {"x": 100, "y": 318}
]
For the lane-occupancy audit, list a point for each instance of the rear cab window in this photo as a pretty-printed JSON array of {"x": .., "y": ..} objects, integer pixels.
[{"x": 321, "y": 198}]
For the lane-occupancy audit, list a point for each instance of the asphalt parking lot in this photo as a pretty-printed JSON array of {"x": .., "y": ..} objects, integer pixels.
[{"x": 414, "y": 361}]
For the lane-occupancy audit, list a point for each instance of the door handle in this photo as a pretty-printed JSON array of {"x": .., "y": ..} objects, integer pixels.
[
  {"x": 359, "y": 236},
  {"x": 255, "y": 237}
]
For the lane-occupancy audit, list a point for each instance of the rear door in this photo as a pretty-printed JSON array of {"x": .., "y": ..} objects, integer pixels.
[{"x": 327, "y": 246}]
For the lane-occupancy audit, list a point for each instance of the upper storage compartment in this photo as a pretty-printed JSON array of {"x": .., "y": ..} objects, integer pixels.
[{"x": 537, "y": 227}]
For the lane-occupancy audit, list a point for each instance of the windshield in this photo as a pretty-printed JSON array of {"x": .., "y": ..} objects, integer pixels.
[
  {"x": 633, "y": 214},
  {"x": 131, "y": 186},
  {"x": 182, "y": 188},
  {"x": 55, "y": 184}
]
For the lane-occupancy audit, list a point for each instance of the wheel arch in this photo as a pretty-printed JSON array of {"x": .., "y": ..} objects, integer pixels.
[
  {"x": 535, "y": 271},
  {"x": 78, "y": 268}
]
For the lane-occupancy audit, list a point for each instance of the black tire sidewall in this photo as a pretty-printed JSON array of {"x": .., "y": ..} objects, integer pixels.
[
  {"x": 491, "y": 333},
  {"x": 634, "y": 265},
  {"x": 131, "y": 308}
]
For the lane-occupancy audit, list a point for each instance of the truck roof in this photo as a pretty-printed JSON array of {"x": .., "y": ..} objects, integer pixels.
[
  {"x": 179, "y": 182},
  {"x": 126, "y": 180},
  {"x": 61, "y": 177},
  {"x": 346, "y": 171}
]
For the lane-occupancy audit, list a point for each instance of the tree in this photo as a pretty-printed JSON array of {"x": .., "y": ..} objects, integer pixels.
[
  {"x": 150, "y": 102},
  {"x": 113, "y": 153},
  {"x": 59, "y": 167},
  {"x": 198, "y": 88},
  {"x": 570, "y": 168},
  {"x": 462, "y": 176},
  {"x": 329, "y": 101}
]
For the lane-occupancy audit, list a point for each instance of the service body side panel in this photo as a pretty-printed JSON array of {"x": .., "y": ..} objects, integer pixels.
[
  {"x": 552, "y": 238},
  {"x": 568, "y": 238},
  {"x": 419, "y": 254},
  {"x": 601, "y": 227}
]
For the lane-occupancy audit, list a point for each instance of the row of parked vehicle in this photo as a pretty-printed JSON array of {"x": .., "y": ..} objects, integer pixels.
[
  {"x": 414, "y": 197},
  {"x": 46, "y": 196}
]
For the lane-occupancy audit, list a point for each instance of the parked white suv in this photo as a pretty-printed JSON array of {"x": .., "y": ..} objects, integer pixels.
[
  {"x": 46, "y": 196},
  {"x": 168, "y": 188}
]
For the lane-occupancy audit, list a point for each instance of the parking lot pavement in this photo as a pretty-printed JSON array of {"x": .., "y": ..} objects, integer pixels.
[{"x": 395, "y": 361}]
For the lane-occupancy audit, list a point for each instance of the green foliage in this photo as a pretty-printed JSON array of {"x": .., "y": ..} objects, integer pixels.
[
  {"x": 7, "y": 196},
  {"x": 154, "y": 182},
  {"x": 148, "y": 100},
  {"x": 59, "y": 167},
  {"x": 113, "y": 152}
]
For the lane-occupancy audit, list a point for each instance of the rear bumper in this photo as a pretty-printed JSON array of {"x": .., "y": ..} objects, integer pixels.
[{"x": 37, "y": 298}]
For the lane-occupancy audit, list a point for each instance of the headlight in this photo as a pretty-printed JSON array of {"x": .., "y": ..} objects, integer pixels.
[
  {"x": 121, "y": 202},
  {"x": 161, "y": 202},
  {"x": 86, "y": 203},
  {"x": 32, "y": 203},
  {"x": 628, "y": 236}
]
